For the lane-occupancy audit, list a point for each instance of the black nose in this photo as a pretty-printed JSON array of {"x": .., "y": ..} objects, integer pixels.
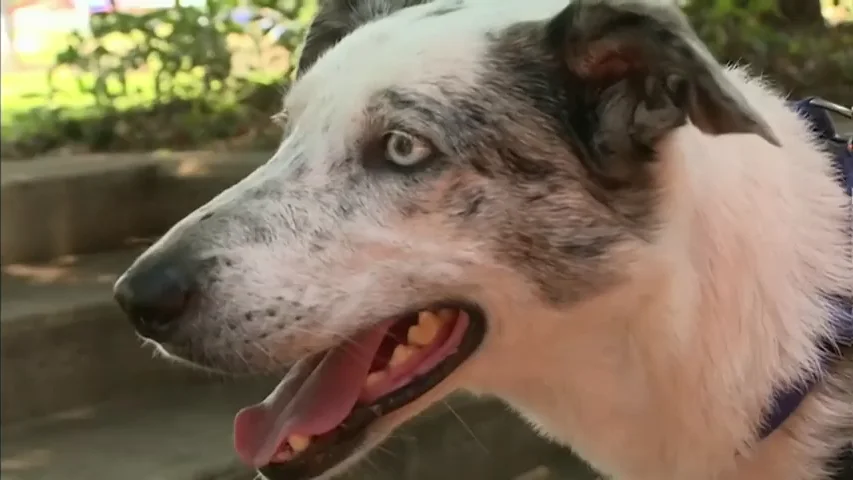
[{"x": 155, "y": 297}]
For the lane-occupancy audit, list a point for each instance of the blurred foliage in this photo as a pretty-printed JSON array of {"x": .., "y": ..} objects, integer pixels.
[
  {"x": 799, "y": 60},
  {"x": 177, "y": 44},
  {"x": 179, "y": 77},
  {"x": 182, "y": 77}
]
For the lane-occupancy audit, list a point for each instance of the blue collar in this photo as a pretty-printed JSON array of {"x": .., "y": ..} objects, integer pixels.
[{"x": 787, "y": 400}]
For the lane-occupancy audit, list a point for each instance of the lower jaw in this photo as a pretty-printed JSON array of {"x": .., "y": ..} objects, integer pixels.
[
  {"x": 343, "y": 443},
  {"x": 320, "y": 463}
]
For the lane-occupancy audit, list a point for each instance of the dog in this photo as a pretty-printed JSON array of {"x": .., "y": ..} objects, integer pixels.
[{"x": 566, "y": 204}]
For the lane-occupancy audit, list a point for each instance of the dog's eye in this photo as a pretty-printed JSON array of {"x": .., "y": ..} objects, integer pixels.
[{"x": 405, "y": 149}]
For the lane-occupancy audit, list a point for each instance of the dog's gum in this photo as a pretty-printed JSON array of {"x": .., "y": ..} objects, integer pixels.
[
  {"x": 281, "y": 456},
  {"x": 448, "y": 314},
  {"x": 298, "y": 443},
  {"x": 424, "y": 332},
  {"x": 375, "y": 377},
  {"x": 401, "y": 354}
]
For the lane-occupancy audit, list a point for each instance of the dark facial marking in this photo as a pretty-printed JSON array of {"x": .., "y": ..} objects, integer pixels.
[
  {"x": 261, "y": 233},
  {"x": 649, "y": 47},
  {"x": 338, "y": 18},
  {"x": 462, "y": 199},
  {"x": 526, "y": 167},
  {"x": 561, "y": 221},
  {"x": 411, "y": 208},
  {"x": 298, "y": 172},
  {"x": 583, "y": 101},
  {"x": 454, "y": 119},
  {"x": 536, "y": 148},
  {"x": 444, "y": 10},
  {"x": 473, "y": 199},
  {"x": 344, "y": 210},
  {"x": 481, "y": 167}
]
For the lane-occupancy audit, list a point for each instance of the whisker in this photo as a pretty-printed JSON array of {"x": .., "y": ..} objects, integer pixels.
[
  {"x": 467, "y": 427},
  {"x": 387, "y": 451},
  {"x": 369, "y": 461}
]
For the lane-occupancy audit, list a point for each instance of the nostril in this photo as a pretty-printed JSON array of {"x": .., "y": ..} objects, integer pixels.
[{"x": 154, "y": 298}]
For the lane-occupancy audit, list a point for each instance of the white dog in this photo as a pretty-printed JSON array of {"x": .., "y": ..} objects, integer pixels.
[{"x": 569, "y": 205}]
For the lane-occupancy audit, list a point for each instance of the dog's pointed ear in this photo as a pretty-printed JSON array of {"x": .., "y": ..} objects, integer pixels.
[
  {"x": 336, "y": 19},
  {"x": 643, "y": 72}
]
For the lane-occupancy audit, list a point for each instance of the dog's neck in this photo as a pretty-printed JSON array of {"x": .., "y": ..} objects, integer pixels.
[{"x": 723, "y": 308}]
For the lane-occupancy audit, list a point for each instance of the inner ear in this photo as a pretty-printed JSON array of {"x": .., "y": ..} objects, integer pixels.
[{"x": 642, "y": 72}]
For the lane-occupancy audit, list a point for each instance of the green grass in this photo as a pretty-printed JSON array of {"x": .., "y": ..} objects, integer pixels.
[
  {"x": 23, "y": 93},
  {"x": 34, "y": 88},
  {"x": 40, "y": 116},
  {"x": 40, "y": 113}
]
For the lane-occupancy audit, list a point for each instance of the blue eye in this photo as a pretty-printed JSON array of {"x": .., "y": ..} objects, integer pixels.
[{"x": 405, "y": 149}]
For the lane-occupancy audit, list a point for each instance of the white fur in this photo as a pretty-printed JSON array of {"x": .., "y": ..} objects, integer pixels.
[{"x": 663, "y": 377}]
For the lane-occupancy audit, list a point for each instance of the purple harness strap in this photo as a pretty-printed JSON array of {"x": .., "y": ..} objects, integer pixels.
[{"x": 788, "y": 399}]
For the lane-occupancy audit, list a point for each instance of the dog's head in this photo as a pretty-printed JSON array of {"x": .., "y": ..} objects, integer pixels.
[{"x": 483, "y": 161}]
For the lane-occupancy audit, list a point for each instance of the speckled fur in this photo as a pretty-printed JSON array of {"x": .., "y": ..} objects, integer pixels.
[{"x": 650, "y": 234}]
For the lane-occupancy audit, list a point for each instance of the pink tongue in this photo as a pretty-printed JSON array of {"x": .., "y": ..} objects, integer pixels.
[{"x": 311, "y": 400}]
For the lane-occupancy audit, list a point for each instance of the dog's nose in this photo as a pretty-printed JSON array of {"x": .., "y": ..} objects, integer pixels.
[{"x": 154, "y": 296}]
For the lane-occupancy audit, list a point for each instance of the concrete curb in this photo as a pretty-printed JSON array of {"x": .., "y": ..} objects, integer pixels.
[
  {"x": 65, "y": 344},
  {"x": 184, "y": 434},
  {"x": 61, "y": 206}
]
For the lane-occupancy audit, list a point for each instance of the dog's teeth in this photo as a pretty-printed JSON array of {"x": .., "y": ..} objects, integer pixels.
[
  {"x": 448, "y": 314},
  {"x": 401, "y": 354},
  {"x": 375, "y": 378},
  {"x": 298, "y": 443},
  {"x": 425, "y": 331}
]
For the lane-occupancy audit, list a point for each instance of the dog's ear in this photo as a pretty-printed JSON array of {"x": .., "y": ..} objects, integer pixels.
[
  {"x": 637, "y": 71},
  {"x": 336, "y": 19}
]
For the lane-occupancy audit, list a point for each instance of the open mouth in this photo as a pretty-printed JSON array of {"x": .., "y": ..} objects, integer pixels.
[{"x": 317, "y": 416}]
